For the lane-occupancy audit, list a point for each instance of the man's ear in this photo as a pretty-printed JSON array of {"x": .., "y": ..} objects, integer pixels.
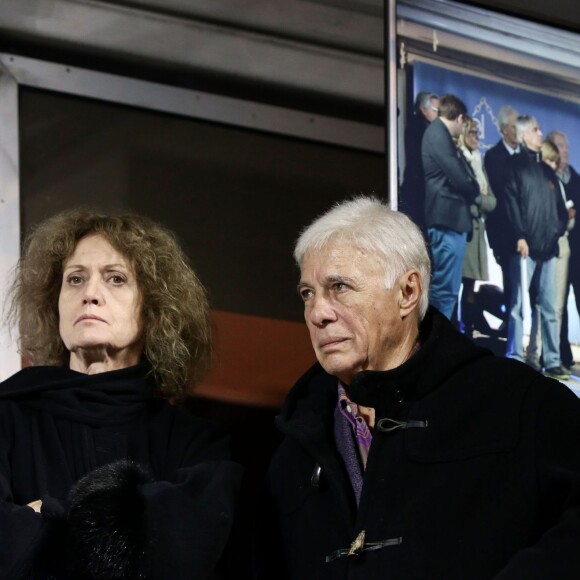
[{"x": 411, "y": 291}]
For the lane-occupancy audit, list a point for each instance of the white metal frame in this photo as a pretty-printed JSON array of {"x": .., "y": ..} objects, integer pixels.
[
  {"x": 18, "y": 71},
  {"x": 391, "y": 100},
  {"x": 511, "y": 41},
  {"x": 9, "y": 210}
]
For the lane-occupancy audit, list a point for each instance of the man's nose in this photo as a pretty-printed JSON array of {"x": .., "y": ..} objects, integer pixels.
[{"x": 321, "y": 311}]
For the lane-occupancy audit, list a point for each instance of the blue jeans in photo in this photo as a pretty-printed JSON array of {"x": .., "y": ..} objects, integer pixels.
[
  {"x": 447, "y": 251},
  {"x": 547, "y": 303}
]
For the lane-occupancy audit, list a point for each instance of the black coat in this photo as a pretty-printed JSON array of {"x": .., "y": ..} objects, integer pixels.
[
  {"x": 497, "y": 162},
  {"x": 412, "y": 196},
  {"x": 573, "y": 192},
  {"x": 163, "y": 510},
  {"x": 485, "y": 484},
  {"x": 449, "y": 188},
  {"x": 534, "y": 205}
]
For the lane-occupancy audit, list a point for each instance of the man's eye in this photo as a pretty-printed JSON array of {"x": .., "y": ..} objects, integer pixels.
[
  {"x": 305, "y": 294},
  {"x": 340, "y": 287}
]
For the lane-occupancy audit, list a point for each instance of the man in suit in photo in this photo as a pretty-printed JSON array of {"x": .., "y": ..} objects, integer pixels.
[
  {"x": 496, "y": 164},
  {"x": 449, "y": 191},
  {"x": 412, "y": 198}
]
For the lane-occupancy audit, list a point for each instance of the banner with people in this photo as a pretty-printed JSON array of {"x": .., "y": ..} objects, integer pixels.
[{"x": 485, "y": 97}]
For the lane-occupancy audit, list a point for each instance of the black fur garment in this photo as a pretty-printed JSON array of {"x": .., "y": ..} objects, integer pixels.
[{"x": 107, "y": 531}]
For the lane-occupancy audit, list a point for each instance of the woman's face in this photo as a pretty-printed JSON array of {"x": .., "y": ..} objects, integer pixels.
[
  {"x": 471, "y": 137},
  {"x": 100, "y": 304}
]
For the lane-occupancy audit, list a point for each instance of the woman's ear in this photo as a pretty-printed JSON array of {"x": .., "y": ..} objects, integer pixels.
[{"x": 411, "y": 292}]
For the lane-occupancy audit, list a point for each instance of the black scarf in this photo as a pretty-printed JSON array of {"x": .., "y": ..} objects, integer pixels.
[{"x": 102, "y": 399}]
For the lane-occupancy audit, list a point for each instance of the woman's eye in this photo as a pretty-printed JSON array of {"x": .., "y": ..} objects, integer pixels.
[
  {"x": 74, "y": 280},
  {"x": 117, "y": 279}
]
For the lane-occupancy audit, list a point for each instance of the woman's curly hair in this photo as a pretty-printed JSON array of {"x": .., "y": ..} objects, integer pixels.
[{"x": 175, "y": 312}]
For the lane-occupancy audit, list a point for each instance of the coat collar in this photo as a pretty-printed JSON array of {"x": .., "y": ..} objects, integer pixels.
[{"x": 443, "y": 351}]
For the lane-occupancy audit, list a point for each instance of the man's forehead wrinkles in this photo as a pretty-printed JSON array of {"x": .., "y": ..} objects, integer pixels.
[{"x": 332, "y": 278}]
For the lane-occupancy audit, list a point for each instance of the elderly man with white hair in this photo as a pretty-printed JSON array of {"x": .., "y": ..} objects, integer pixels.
[
  {"x": 497, "y": 162},
  {"x": 538, "y": 218},
  {"x": 408, "y": 451}
]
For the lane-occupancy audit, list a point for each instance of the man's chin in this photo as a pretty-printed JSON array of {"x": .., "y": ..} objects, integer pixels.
[{"x": 339, "y": 369}]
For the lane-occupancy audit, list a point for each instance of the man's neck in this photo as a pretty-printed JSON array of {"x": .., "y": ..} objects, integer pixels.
[
  {"x": 530, "y": 149},
  {"x": 511, "y": 148},
  {"x": 564, "y": 173},
  {"x": 448, "y": 124}
]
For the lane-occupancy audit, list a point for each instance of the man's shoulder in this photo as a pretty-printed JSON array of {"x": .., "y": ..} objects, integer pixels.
[
  {"x": 436, "y": 127},
  {"x": 417, "y": 126},
  {"x": 526, "y": 163},
  {"x": 505, "y": 375},
  {"x": 436, "y": 138},
  {"x": 574, "y": 174},
  {"x": 483, "y": 407},
  {"x": 488, "y": 372},
  {"x": 314, "y": 387},
  {"x": 498, "y": 153}
]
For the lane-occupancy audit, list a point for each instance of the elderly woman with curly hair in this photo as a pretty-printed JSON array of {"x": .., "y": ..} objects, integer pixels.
[{"x": 102, "y": 473}]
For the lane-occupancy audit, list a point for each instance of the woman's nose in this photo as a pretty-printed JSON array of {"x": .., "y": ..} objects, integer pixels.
[{"x": 92, "y": 293}]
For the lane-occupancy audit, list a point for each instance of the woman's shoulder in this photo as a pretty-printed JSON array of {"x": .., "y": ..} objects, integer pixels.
[{"x": 32, "y": 379}]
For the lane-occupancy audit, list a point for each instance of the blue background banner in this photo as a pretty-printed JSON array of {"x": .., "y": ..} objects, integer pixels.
[{"x": 484, "y": 98}]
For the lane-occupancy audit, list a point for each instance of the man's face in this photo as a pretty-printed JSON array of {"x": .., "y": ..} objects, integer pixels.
[
  {"x": 533, "y": 137},
  {"x": 457, "y": 126},
  {"x": 430, "y": 112},
  {"x": 562, "y": 144},
  {"x": 354, "y": 321},
  {"x": 509, "y": 132}
]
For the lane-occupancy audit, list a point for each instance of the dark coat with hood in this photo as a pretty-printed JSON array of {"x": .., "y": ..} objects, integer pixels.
[
  {"x": 473, "y": 472},
  {"x": 572, "y": 188},
  {"x": 534, "y": 205},
  {"x": 131, "y": 486}
]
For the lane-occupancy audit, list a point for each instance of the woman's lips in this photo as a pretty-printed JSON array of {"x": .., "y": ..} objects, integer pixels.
[{"x": 89, "y": 317}]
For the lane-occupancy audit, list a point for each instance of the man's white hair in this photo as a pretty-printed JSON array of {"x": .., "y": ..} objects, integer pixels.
[
  {"x": 551, "y": 136},
  {"x": 503, "y": 116},
  {"x": 523, "y": 124},
  {"x": 371, "y": 226}
]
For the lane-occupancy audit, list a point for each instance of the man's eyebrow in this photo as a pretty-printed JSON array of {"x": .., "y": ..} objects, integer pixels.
[
  {"x": 338, "y": 279},
  {"x": 329, "y": 281}
]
